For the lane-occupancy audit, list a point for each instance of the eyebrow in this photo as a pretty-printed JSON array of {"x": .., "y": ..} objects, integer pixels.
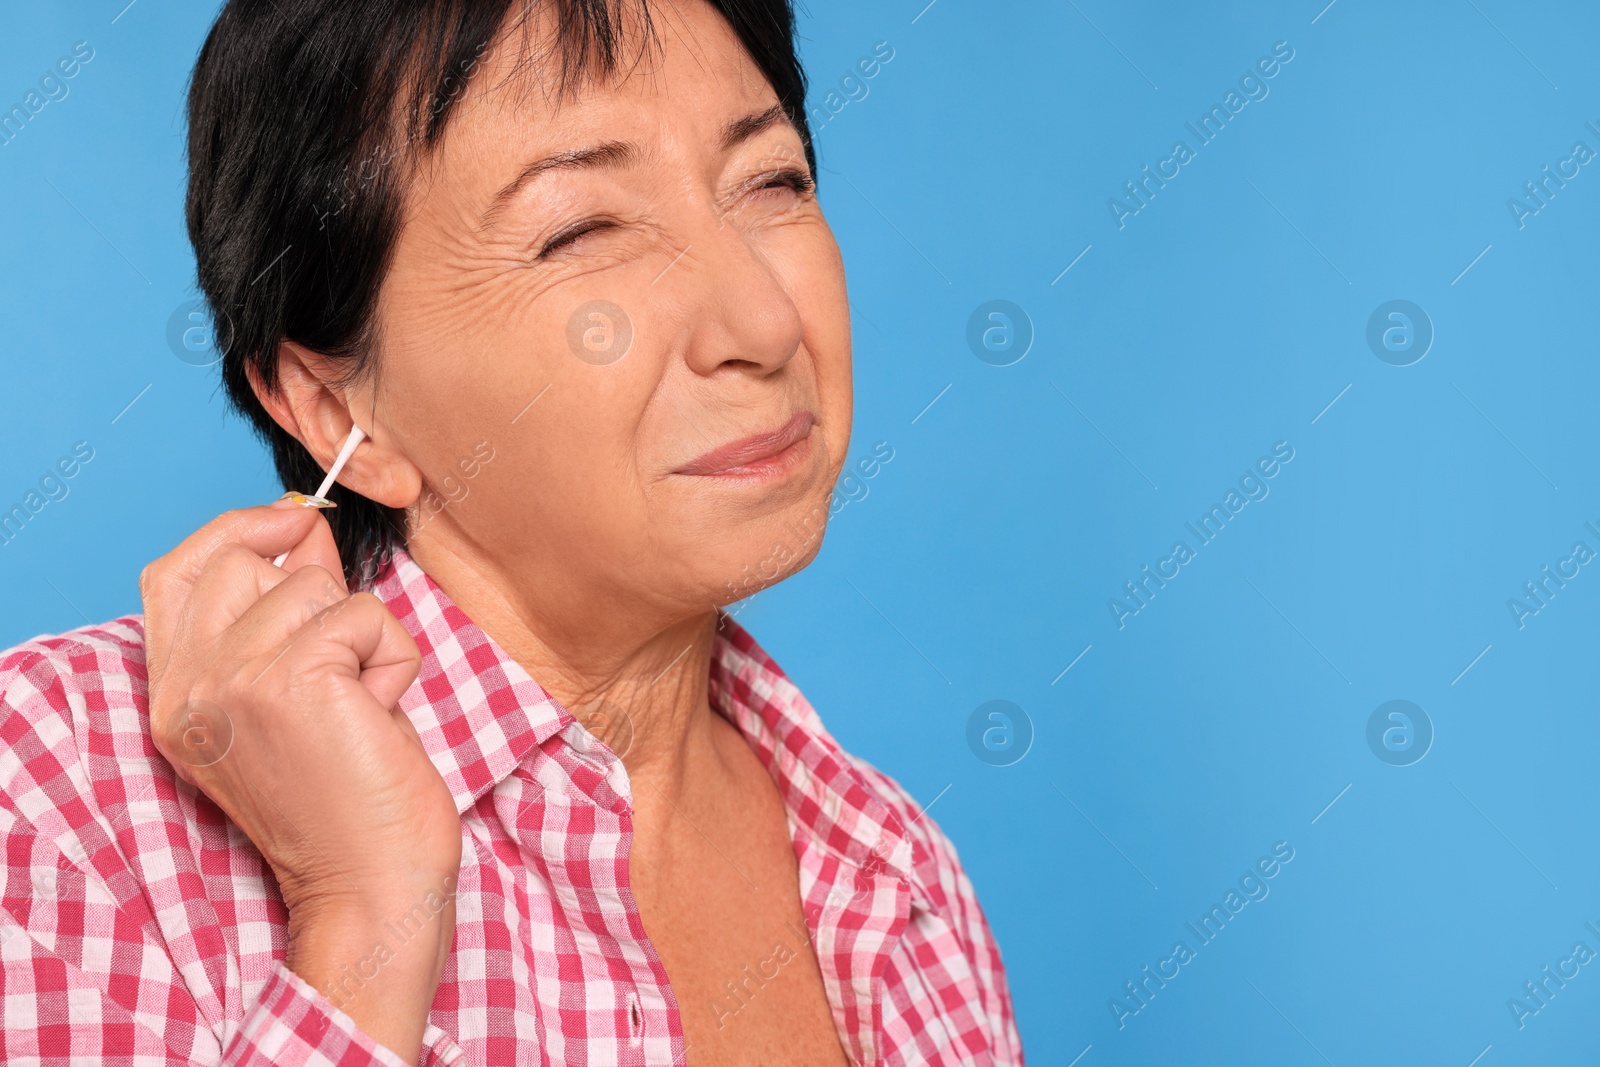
[
  {"x": 619, "y": 154},
  {"x": 608, "y": 154},
  {"x": 740, "y": 130}
]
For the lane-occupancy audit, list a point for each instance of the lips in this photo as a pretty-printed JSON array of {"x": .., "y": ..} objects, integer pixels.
[{"x": 750, "y": 451}]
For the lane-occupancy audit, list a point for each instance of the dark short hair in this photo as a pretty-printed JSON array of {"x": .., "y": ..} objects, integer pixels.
[{"x": 305, "y": 117}]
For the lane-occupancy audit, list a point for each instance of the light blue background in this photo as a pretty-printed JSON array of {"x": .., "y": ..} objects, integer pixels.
[{"x": 1223, "y": 318}]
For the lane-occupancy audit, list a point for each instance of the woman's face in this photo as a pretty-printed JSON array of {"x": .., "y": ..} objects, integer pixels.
[{"x": 659, "y": 285}]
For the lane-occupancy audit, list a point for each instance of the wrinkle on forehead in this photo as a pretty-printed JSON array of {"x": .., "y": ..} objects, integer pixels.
[
  {"x": 551, "y": 49},
  {"x": 528, "y": 79}
]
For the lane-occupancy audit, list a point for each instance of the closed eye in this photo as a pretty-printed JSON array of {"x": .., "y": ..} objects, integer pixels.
[
  {"x": 573, "y": 233},
  {"x": 797, "y": 180}
]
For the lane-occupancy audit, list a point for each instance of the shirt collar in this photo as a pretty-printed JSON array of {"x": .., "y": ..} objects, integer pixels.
[
  {"x": 476, "y": 710},
  {"x": 480, "y": 714}
]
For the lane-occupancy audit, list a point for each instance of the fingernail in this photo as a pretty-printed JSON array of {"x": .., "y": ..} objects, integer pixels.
[{"x": 293, "y": 499}]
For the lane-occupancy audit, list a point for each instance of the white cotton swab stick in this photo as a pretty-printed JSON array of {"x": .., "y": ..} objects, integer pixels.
[{"x": 357, "y": 435}]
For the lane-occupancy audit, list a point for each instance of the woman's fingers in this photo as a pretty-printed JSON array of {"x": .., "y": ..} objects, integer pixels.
[
  {"x": 316, "y": 549},
  {"x": 233, "y": 580},
  {"x": 167, "y": 583},
  {"x": 284, "y": 604},
  {"x": 355, "y": 636}
]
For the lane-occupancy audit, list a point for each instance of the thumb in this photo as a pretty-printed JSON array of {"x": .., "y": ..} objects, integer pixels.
[{"x": 317, "y": 548}]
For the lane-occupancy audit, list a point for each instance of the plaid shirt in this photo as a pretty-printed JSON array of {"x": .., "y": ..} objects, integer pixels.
[{"x": 139, "y": 926}]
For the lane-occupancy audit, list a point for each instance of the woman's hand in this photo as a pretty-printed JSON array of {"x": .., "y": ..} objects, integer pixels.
[{"x": 274, "y": 691}]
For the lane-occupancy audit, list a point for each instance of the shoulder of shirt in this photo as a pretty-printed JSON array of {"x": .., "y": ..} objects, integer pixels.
[
  {"x": 98, "y": 657},
  {"x": 56, "y": 690},
  {"x": 934, "y": 867},
  {"x": 935, "y": 864},
  {"x": 946, "y": 890}
]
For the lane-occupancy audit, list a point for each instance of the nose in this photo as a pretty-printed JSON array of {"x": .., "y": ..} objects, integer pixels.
[{"x": 736, "y": 299}]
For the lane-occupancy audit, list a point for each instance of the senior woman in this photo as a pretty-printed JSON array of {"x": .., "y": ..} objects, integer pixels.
[{"x": 483, "y": 774}]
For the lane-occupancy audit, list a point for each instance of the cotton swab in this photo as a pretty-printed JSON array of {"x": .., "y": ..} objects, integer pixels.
[{"x": 357, "y": 435}]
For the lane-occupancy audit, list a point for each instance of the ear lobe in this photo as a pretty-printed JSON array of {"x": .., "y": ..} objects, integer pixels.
[{"x": 381, "y": 474}]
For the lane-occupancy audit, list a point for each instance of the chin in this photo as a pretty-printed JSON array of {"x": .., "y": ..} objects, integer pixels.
[{"x": 764, "y": 562}]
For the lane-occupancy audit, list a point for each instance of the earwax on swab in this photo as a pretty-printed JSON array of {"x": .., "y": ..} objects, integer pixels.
[
  {"x": 320, "y": 498},
  {"x": 307, "y": 501}
]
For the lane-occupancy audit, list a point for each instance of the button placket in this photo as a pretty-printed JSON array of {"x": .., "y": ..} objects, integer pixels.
[{"x": 635, "y": 1019}]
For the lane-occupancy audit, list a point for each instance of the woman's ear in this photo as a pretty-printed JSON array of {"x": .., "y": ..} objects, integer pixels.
[{"x": 318, "y": 413}]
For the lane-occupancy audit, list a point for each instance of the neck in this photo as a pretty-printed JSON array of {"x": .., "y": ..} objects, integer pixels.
[{"x": 639, "y": 686}]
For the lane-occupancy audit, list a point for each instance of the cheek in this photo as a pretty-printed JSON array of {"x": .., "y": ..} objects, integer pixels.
[
  {"x": 561, "y": 429},
  {"x": 563, "y": 473},
  {"x": 507, "y": 359},
  {"x": 813, "y": 273}
]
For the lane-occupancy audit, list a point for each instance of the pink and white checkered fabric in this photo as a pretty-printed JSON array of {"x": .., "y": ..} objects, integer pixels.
[{"x": 138, "y": 926}]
